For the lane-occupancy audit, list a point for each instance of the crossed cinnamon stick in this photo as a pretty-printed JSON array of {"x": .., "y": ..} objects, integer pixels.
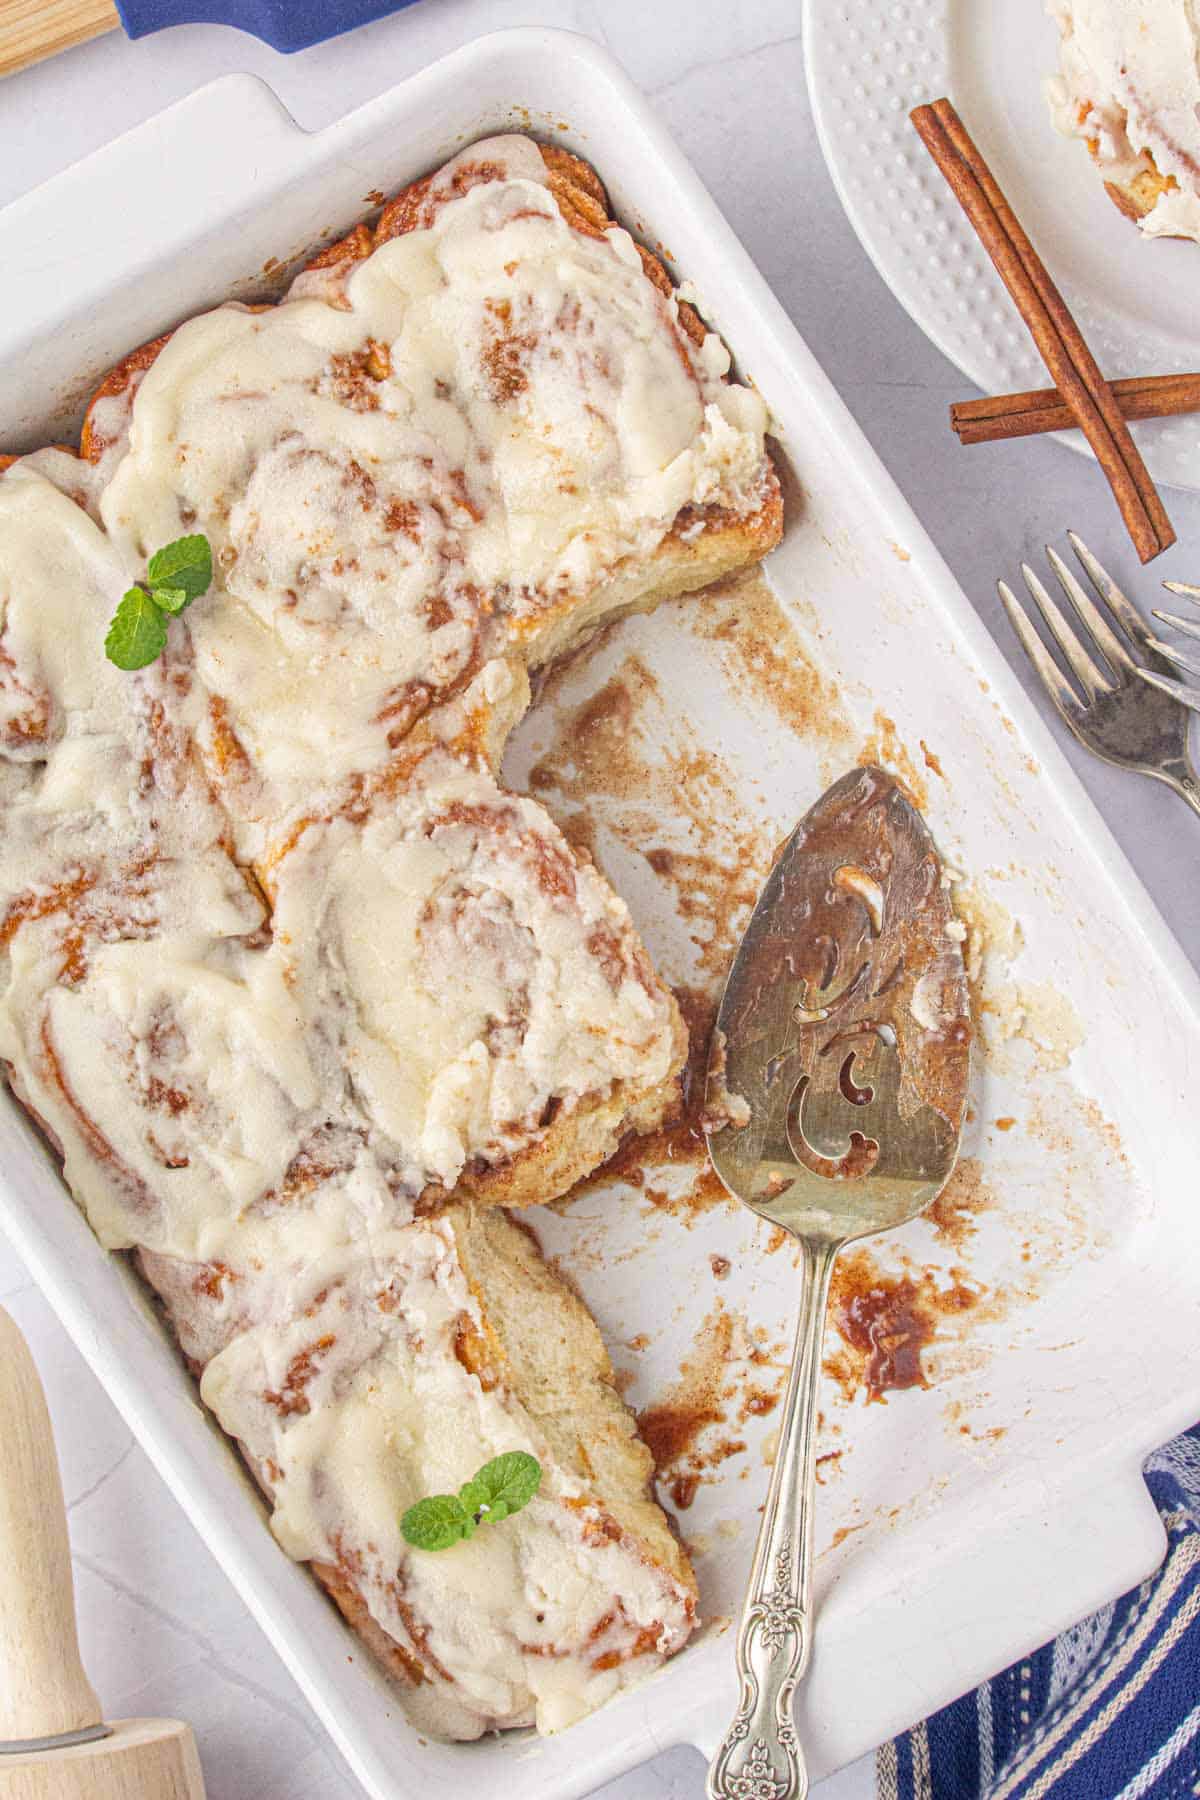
[
  {"x": 1000, "y": 416},
  {"x": 1082, "y": 391}
]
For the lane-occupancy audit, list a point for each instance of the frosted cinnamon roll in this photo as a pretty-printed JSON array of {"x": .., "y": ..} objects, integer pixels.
[
  {"x": 255, "y": 1260},
  {"x": 175, "y": 1072},
  {"x": 296, "y": 989},
  {"x": 477, "y": 439},
  {"x": 65, "y": 728},
  {"x": 361, "y": 1357},
  {"x": 389, "y": 1376},
  {"x": 497, "y": 1017},
  {"x": 1130, "y": 88},
  {"x": 95, "y": 763},
  {"x": 108, "y": 831}
]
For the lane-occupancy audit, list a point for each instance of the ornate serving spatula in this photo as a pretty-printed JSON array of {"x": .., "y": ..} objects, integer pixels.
[{"x": 839, "y": 1063}]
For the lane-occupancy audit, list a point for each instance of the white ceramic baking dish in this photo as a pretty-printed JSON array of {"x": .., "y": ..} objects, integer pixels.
[{"x": 969, "y": 1521}]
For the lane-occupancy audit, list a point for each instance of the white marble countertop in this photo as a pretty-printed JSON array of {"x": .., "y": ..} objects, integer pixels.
[{"x": 163, "y": 1632}]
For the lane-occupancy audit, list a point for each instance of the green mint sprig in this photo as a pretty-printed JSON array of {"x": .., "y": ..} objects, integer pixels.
[
  {"x": 501, "y": 1487},
  {"x": 175, "y": 576}
]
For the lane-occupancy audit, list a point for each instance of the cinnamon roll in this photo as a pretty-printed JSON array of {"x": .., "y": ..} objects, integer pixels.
[
  {"x": 1129, "y": 86},
  {"x": 297, "y": 991},
  {"x": 388, "y": 1377},
  {"x": 477, "y": 440},
  {"x": 497, "y": 1017}
]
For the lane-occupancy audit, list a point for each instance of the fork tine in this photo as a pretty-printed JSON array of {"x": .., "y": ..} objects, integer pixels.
[
  {"x": 1123, "y": 610},
  {"x": 1178, "y": 690},
  {"x": 1190, "y": 664},
  {"x": 1080, "y": 663},
  {"x": 1065, "y": 699},
  {"x": 1111, "y": 647},
  {"x": 1188, "y": 627},
  {"x": 1183, "y": 587}
]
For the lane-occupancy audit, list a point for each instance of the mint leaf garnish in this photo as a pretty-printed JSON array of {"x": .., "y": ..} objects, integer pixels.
[
  {"x": 501, "y": 1487},
  {"x": 138, "y": 632},
  {"x": 436, "y": 1522},
  {"x": 175, "y": 576},
  {"x": 507, "y": 1483},
  {"x": 170, "y": 599},
  {"x": 186, "y": 564},
  {"x": 473, "y": 1498}
]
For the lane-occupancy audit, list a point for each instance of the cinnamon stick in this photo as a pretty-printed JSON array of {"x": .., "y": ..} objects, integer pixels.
[
  {"x": 999, "y": 416},
  {"x": 1059, "y": 340}
]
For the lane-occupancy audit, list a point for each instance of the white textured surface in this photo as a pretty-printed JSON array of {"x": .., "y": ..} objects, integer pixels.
[
  {"x": 1135, "y": 300},
  {"x": 162, "y": 1629}
]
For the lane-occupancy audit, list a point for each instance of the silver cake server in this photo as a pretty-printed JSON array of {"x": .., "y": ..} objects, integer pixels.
[{"x": 836, "y": 1090}]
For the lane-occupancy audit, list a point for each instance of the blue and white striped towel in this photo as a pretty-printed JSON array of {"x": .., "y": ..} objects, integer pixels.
[{"x": 1108, "y": 1711}]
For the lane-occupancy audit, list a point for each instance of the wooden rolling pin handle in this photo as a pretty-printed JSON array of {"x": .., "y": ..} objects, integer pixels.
[
  {"x": 31, "y": 30},
  {"x": 43, "y": 1687}
]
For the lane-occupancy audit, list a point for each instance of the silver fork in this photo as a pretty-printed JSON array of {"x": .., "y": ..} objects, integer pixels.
[
  {"x": 1190, "y": 664},
  {"x": 1132, "y": 713}
]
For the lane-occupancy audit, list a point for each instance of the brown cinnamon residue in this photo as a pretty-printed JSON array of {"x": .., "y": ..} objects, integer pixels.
[
  {"x": 683, "y": 1490},
  {"x": 1103, "y": 1128},
  {"x": 886, "y": 1321},
  {"x": 620, "y": 761},
  {"x": 680, "y": 1428},
  {"x": 593, "y": 752},
  {"x": 763, "y": 657},
  {"x": 954, "y": 1214},
  {"x": 671, "y": 1428},
  {"x": 714, "y": 892},
  {"x": 822, "y": 1472},
  {"x": 885, "y": 748},
  {"x": 757, "y": 1403}
]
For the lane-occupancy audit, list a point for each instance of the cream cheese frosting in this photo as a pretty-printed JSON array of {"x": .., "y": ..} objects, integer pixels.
[
  {"x": 255, "y": 1101},
  {"x": 182, "y": 1081},
  {"x": 290, "y": 981},
  {"x": 107, "y": 827},
  {"x": 476, "y": 972},
  {"x": 419, "y": 461},
  {"x": 358, "y": 1405},
  {"x": 1130, "y": 86},
  {"x": 330, "y": 1318}
]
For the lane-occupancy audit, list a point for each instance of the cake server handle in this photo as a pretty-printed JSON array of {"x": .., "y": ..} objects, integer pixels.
[{"x": 760, "y": 1757}]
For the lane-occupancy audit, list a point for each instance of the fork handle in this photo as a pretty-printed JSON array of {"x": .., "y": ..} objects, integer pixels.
[
  {"x": 1187, "y": 787},
  {"x": 759, "y": 1757}
]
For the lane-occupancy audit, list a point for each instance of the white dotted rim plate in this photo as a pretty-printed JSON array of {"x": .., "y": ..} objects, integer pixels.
[{"x": 868, "y": 64}]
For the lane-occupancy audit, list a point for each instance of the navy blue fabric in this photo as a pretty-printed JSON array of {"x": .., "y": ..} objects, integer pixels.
[
  {"x": 1108, "y": 1711},
  {"x": 284, "y": 24}
]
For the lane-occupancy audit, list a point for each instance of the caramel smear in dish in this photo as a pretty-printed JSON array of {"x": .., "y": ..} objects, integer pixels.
[{"x": 728, "y": 1378}]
